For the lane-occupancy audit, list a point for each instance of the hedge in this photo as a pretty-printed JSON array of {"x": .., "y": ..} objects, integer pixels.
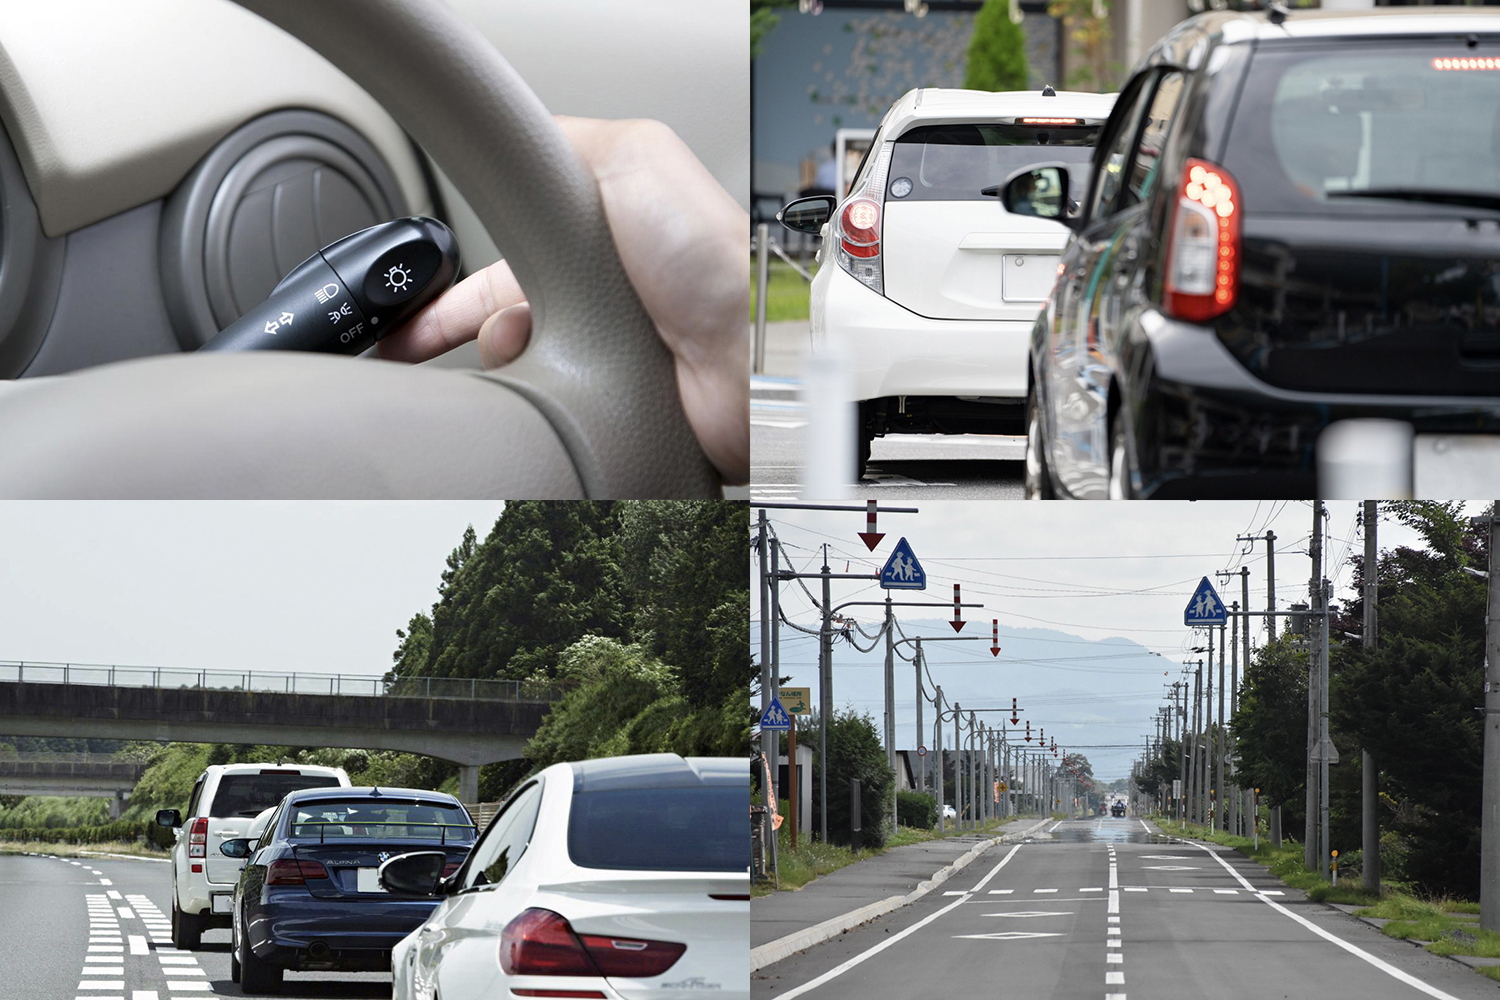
[{"x": 120, "y": 830}]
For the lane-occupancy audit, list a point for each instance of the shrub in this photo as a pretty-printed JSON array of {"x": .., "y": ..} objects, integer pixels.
[
  {"x": 916, "y": 809},
  {"x": 997, "y": 50}
]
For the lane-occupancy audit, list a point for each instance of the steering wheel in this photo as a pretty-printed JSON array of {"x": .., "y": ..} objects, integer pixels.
[{"x": 590, "y": 409}]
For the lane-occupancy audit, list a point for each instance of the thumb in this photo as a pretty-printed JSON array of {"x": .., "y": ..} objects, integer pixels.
[{"x": 505, "y": 335}]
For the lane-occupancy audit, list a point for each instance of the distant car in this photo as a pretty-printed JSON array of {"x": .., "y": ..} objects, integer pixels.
[
  {"x": 309, "y": 896},
  {"x": 927, "y": 286},
  {"x": 1284, "y": 266},
  {"x": 949, "y": 812},
  {"x": 619, "y": 878},
  {"x": 226, "y": 799},
  {"x": 1117, "y": 810}
]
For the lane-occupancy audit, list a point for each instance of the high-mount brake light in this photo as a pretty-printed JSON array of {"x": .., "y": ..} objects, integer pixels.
[
  {"x": 1485, "y": 62},
  {"x": 1203, "y": 247},
  {"x": 198, "y": 838},
  {"x": 1051, "y": 121}
]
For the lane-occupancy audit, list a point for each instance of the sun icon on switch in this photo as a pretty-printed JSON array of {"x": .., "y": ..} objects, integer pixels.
[{"x": 397, "y": 278}]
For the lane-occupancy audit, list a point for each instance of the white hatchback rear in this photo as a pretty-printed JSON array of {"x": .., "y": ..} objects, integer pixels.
[{"x": 927, "y": 287}]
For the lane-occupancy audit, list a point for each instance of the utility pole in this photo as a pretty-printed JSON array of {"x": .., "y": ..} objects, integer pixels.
[
  {"x": 937, "y": 748},
  {"x": 1234, "y": 693},
  {"x": 1180, "y": 705},
  {"x": 768, "y": 738},
  {"x": 958, "y": 770},
  {"x": 825, "y": 697},
  {"x": 1206, "y": 814},
  {"x": 1489, "y": 829},
  {"x": 1224, "y": 805},
  {"x": 1310, "y": 798},
  {"x": 1193, "y": 768},
  {"x": 916, "y": 660},
  {"x": 1370, "y": 842},
  {"x": 1270, "y": 584},
  {"x": 890, "y": 706}
]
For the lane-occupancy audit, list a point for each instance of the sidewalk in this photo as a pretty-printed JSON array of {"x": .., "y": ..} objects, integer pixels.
[
  {"x": 786, "y": 343},
  {"x": 789, "y": 922}
]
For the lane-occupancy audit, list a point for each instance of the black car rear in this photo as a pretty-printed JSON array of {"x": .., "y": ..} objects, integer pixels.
[{"x": 1301, "y": 226}]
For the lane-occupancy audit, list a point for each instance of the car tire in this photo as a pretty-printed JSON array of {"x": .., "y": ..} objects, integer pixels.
[
  {"x": 1038, "y": 479},
  {"x": 1121, "y": 472},
  {"x": 234, "y": 952},
  {"x": 187, "y": 928},
  {"x": 257, "y": 976}
]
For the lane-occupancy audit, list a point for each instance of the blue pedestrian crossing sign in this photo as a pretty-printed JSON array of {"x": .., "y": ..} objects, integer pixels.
[
  {"x": 774, "y": 717},
  {"x": 902, "y": 571},
  {"x": 1205, "y": 608}
]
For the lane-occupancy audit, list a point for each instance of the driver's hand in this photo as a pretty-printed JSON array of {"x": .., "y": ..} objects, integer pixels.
[{"x": 684, "y": 244}]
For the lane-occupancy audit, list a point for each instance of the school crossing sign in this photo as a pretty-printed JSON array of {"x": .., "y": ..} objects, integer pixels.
[
  {"x": 1205, "y": 608},
  {"x": 774, "y": 718},
  {"x": 902, "y": 571}
]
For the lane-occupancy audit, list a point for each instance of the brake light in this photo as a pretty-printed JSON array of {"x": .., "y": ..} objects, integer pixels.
[
  {"x": 1050, "y": 121},
  {"x": 542, "y": 943},
  {"x": 266, "y": 770},
  {"x": 451, "y": 867},
  {"x": 198, "y": 838},
  {"x": 859, "y": 228},
  {"x": 1203, "y": 246},
  {"x": 288, "y": 872},
  {"x": 856, "y": 228}
]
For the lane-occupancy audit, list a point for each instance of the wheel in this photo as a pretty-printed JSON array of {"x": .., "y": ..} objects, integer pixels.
[
  {"x": 234, "y": 951},
  {"x": 256, "y": 976},
  {"x": 1121, "y": 473},
  {"x": 1038, "y": 480},
  {"x": 187, "y": 928}
]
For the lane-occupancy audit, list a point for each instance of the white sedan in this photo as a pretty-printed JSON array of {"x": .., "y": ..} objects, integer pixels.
[{"x": 624, "y": 878}]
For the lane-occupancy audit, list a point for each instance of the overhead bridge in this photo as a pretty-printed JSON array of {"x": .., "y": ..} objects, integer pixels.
[
  {"x": 467, "y": 721},
  {"x": 93, "y": 775}
]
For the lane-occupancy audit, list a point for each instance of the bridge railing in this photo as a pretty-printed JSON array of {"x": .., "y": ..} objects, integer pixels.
[
  {"x": 51, "y": 757},
  {"x": 360, "y": 685}
]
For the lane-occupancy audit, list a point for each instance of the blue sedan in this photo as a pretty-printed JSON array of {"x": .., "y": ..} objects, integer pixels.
[{"x": 309, "y": 896}]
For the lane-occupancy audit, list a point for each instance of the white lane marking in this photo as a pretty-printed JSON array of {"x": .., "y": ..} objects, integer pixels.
[
  {"x": 101, "y": 958},
  {"x": 1112, "y": 978},
  {"x": 75, "y": 863},
  {"x": 1094, "y": 888},
  {"x": 1114, "y": 958},
  {"x": 1054, "y": 825},
  {"x": 839, "y": 970},
  {"x": 1114, "y": 904},
  {"x": 107, "y": 947},
  {"x": 1114, "y": 877},
  {"x": 183, "y": 970},
  {"x": 1113, "y": 943},
  {"x": 144, "y": 995},
  {"x": 126, "y": 913},
  {"x": 1164, "y": 857},
  {"x": 180, "y": 987},
  {"x": 1114, "y": 996},
  {"x": 955, "y": 892},
  {"x": 1170, "y": 868},
  {"x": 1272, "y": 892},
  {"x": 1135, "y": 888},
  {"x": 1112, "y": 930},
  {"x": 1034, "y": 890},
  {"x": 1001, "y": 892},
  {"x": 1030, "y": 913},
  {"x": 1179, "y": 890},
  {"x": 104, "y": 970},
  {"x": 1357, "y": 952},
  {"x": 127, "y": 857},
  {"x": 1227, "y": 892},
  {"x": 96, "y": 996},
  {"x": 95, "y": 871},
  {"x": 177, "y": 959},
  {"x": 102, "y": 984},
  {"x": 1145, "y": 827},
  {"x": 115, "y": 894},
  {"x": 1008, "y": 935},
  {"x": 137, "y": 944},
  {"x": 1114, "y": 920},
  {"x": 105, "y": 881}
]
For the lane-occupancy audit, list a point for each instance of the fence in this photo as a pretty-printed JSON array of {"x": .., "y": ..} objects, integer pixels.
[{"x": 360, "y": 685}]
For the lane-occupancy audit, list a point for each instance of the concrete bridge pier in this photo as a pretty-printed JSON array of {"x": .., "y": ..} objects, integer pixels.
[{"x": 468, "y": 783}]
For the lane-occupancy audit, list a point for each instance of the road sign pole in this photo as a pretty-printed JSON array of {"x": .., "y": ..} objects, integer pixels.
[
  {"x": 890, "y": 708},
  {"x": 825, "y": 700},
  {"x": 916, "y": 661},
  {"x": 1489, "y": 827},
  {"x": 1310, "y": 856},
  {"x": 937, "y": 748},
  {"x": 1369, "y": 774},
  {"x": 958, "y": 771},
  {"x": 768, "y": 740},
  {"x": 791, "y": 780}
]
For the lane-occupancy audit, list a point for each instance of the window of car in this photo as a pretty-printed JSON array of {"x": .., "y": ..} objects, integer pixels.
[
  {"x": 694, "y": 828},
  {"x": 382, "y": 818},
  {"x": 249, "y": 794},
  {"x": 958, "y": 162},
  {"x": 1319, "y": 128},
  {"x": 502, "y": 845},
  {"x": 1120, "y": 138},
  {"x": 1142, "y": 176}
]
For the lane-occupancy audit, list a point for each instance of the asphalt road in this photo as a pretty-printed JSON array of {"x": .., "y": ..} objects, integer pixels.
[
  {"x": 99, "y": 928},
  {"x": 1111, "y": 908}
]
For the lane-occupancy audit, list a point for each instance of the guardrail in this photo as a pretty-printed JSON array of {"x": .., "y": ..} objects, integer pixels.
[
  {"x": 358, "y": 685},
  {"x": 48, "y": 757}
]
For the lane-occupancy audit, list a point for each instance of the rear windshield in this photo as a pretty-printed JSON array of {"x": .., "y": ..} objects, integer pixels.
[
  {"x": 957, "y": 162},
  {"x": 249, "y": 794},
  {"x": 696, "y": 829},
  {"x": 372, "y": 818},
  {"x": 1318, "y": 125}
]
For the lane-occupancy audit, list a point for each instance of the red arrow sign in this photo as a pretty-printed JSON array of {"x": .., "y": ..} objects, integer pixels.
[
  {"x": 957, "y": 622},
  {"x": 994, "y": 637},
  {"x": 1028, "y": 730},
  {"x": 870, "y": 536},
  {"x": 1014, "y": 712}
]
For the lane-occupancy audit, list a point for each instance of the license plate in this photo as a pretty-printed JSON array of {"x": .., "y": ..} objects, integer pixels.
[
  {"x": 1027, "y": 277},
  {"x": 368, "y": 880},
  {"x": 1445, "y": 466},
  {"x": 220, "y": 903}
]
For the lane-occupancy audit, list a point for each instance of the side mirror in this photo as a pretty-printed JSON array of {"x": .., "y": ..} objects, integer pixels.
[
  {"x": 239, "y": 847},
  {"x": 807, "y": 215},
  {"x": 414, "y": 874},
  {"x": 169, "y": 818},
  {"x": 1041, "y": 191}
]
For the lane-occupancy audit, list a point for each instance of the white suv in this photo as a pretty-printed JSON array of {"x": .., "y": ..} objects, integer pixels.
[
  {"x": 930, "y": 307},
  {"x": 226, "y": 800}
]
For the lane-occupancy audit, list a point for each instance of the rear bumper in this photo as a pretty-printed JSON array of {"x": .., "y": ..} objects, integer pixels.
[
  {"x": 1204, "y": 427},
  {"x": 294, "y": 932},
  {"x": 891, "y": 351}
]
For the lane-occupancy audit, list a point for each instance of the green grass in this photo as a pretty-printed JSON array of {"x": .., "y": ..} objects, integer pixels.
[
  {"x": 786, "y": 292},
  {"x": 78, "y": 850}
]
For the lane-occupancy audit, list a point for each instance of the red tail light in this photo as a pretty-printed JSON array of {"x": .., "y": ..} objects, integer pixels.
[
  {"x": 859, "y": 228},
  {"x": 288, "y": 872},
  {"x": 1203, "y": 244},
  {"x": 451, "y": 867},
  {"x": 198, "y": 838},
  {"x": 542, "y": 943}
]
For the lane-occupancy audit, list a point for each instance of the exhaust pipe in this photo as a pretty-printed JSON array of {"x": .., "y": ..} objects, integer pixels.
[{"x": 318, "y": 950}]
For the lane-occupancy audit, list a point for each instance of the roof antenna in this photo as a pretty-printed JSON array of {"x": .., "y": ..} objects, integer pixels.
[
  {"x": 1276, "y": 13},
  {"x": 1047, "y": 91}
]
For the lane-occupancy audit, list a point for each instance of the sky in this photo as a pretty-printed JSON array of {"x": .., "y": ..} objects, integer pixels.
[
  {"x": 1089, "y": 599},
  {"x": 318, "y": 587}
]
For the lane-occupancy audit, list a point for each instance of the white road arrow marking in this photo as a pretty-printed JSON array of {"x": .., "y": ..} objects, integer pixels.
[
  {"x": 1031, "y": 913},
  {"x": 1007, "y": 935}
]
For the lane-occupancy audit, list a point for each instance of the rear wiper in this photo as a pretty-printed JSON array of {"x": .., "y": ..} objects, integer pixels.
[{"x": 1467, "y": 199}]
